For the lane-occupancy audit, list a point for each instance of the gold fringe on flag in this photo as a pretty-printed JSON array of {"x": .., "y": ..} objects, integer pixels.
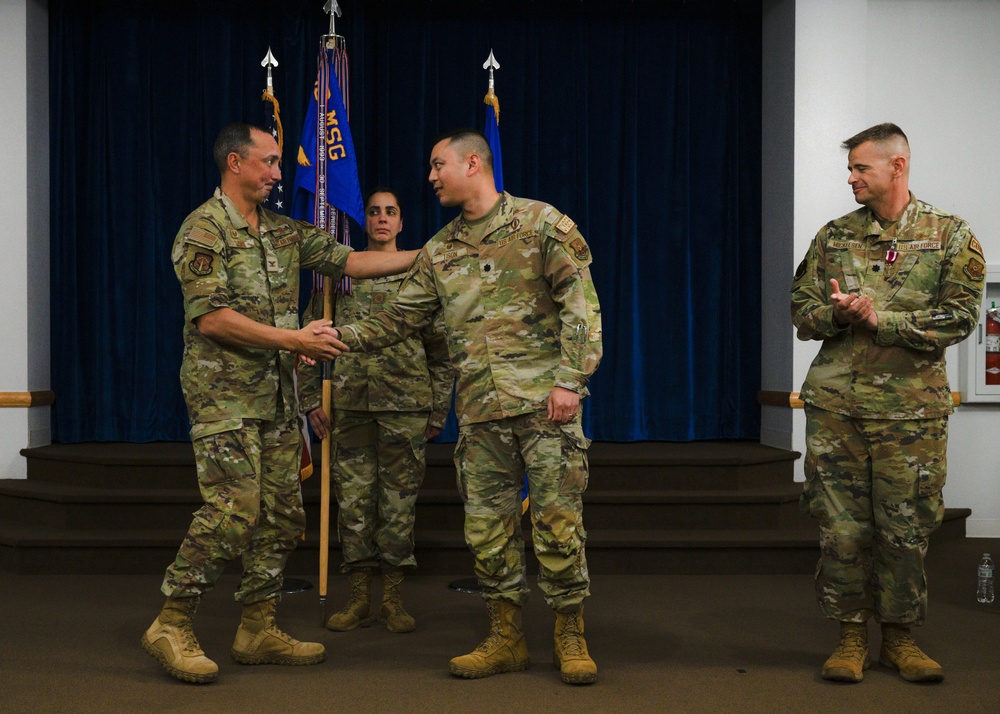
[
  {"x": 268, "y": 97},
  {"x": 493, "y": 101}
]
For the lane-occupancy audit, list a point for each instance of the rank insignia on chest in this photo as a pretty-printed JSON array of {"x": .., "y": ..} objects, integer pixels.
[
  {"x": 202, "y": 264},
  {"x": 378, "y": 298},
  {"x": 565, "y": 224}
]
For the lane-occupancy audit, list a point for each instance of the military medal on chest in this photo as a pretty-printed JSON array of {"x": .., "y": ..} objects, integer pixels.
[{"x": 890, "y": 260}]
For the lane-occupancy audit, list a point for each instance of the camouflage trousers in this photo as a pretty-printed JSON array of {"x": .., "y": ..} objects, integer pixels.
[
  {"x": 874, "y": 486},
  {"x": 248, "y": 472},
  {"x": 378, "y": 466},
  {"x": 492, "y": 459}
]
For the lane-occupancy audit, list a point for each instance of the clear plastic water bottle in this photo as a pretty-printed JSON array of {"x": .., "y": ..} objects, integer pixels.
[{"x": 984, "y": 593}]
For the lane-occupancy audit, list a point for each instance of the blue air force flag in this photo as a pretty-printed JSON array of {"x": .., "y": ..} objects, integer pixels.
[
  {"x": 493, "y": 139},
  {"x": 335, "y": 149}
]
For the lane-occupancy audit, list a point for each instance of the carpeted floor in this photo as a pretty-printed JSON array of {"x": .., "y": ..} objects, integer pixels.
[{"x": 663, "y": 643}]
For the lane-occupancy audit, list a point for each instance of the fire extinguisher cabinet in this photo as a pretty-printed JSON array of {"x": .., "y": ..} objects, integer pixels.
[{"x": 972, "y": 351}]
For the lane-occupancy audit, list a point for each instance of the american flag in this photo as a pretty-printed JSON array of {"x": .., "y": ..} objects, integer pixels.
[{"x": 272, "y": 122}]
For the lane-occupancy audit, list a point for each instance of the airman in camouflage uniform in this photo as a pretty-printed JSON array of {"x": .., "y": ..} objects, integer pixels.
[
  {"x": 386, "y": 405},
  {"x": 511, "y": 278},
  {"x": 238, "y": 266},
  {"x": 886, "y": 288}
]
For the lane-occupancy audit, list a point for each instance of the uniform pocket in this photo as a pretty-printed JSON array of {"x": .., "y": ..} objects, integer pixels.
[
  {"x": 575, "y": 466},
  {"x": 460, "y": 449}
]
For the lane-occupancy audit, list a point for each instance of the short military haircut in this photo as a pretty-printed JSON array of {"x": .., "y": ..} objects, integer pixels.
[
  {"x": 384, "y": 189},
  {"x": 468, "y": 141},
  {"x": 880, "y": 134},
  {"x": 234, "y": 138}
]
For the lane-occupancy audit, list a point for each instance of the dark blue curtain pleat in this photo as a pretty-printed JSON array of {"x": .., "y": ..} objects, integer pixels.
[{"x": 640, "y": 120}]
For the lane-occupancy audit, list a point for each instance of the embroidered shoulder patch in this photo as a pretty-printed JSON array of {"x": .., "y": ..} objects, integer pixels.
[
  {"x": 975, "y": 245},
  {"x": 580, "y": 249},
  {"x": 202, "y": 264},
  {"x": 202, "y": 237},
  {"x": 565, "y": 224},
  {"x": 974, "y": 269}
]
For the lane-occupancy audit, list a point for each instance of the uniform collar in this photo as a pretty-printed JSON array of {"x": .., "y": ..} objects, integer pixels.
[
  {"x": 235, "y": 217},
  {"x": 874, "y": 228},
  {"x": 504, "y": 215}
]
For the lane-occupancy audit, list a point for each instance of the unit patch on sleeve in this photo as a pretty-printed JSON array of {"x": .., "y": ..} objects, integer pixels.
[
  {"x": 974, "y": 269},
  {"x": 580, "y": 249},
  {"x": 202, "y": 264}
]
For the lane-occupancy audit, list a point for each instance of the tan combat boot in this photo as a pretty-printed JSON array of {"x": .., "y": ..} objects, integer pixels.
[
  {"x": 849, "y": 661},
  {"x": 900, "y": 652},
  {"x": 503, "y": 650},
  {"x": 171, "y": 641},
  {"x": 259, "y": 641},
  {"x": 396, "y": 618},
  {"x": 358, "y": 607},
  {"x": 571, "y": 656}
]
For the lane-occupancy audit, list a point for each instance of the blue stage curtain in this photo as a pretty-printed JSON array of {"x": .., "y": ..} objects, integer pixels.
[{"x": 640, "y": 120}]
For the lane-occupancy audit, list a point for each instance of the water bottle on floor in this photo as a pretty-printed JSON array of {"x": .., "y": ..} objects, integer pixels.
[{"x": 984, "y": 593}]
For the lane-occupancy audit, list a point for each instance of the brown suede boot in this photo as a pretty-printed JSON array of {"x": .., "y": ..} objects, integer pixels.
[
  {"x": 171, "y": 641},
  {"x": 849, "y": 661},
  {"x": 396, "y": 618},
  {"x": 503, "y": 650},
  {"x": 259, "y": 641},
  {"x": 358, "y": 608},
  {"x": 900, "y": 652},
  {"x": 571, "y": 656}
]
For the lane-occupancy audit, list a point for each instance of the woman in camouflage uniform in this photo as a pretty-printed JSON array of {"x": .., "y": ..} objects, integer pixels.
[{"x": 386, "y": 405}]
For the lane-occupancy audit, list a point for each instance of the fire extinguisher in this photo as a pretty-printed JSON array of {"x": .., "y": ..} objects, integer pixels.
[{"x": 992, "y": 345}]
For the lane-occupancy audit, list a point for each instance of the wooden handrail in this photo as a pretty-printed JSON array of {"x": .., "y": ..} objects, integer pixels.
[
  {"x": 41, "y": 398},
  {"x": 769, "y": 398}
]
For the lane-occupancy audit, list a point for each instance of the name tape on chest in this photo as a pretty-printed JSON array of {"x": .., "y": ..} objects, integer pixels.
[
  {"x": 513, "y": 237},
  {"x": 449, "y": 253},
  {"x": 845, "y": 245},
  {"x": 281, "y": 238},
  {"x": 904, "y": 246}
]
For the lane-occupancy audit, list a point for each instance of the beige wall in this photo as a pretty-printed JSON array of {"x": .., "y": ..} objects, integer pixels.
[
  {"x": 24, "y": 225},
  {"x": 931, "y": 67}
]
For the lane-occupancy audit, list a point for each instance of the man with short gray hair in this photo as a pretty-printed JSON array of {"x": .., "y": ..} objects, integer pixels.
[{"x": 238, "y": 266}]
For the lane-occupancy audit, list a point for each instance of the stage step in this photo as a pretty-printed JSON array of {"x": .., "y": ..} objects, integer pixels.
[{"x": 649, "y": 508}]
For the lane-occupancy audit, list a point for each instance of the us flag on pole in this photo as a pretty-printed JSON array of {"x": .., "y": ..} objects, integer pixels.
[
  {"x": 276, "y": 202},
  {"x": 272, "y": 122}
]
